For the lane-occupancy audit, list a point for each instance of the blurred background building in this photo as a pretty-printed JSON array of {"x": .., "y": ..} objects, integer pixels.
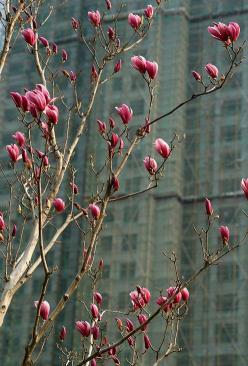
[{"x": 210, "y": 162}]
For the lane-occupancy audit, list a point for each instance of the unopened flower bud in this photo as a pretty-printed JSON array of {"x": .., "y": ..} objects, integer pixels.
[
  {"x": 14, "y": 231},
  {"x": 185, "y": 294},
  {"x": 95, "y": 211},
  {"x": 63, "y": 333},
  {"x": 94, "y": 311},
  {"x": 209, "y": 208},
  {"x": 98, "y": 298},
  {"x": 147, "y": 341}
]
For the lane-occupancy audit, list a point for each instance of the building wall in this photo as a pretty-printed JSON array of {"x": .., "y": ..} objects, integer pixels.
[{"x": 210, "y": 162}]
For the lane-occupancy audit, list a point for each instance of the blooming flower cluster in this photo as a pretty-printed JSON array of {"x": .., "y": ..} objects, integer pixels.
[
  {"x": 37, "y": 101},
  {"x": 142, "y": 65},
  {"x": 163, "y": 149},
  {"x": 225, "y": 33}
]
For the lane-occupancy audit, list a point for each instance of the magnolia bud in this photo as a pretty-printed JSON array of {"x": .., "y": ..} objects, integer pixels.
[
  {"x": 98, "y": 298},
  {"x": 14, "y": 230},
  {"x": 94, "y": 311},
  {"x": 63, "y": 333}
]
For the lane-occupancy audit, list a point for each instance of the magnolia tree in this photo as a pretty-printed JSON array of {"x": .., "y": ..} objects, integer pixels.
[{"x": 41, "y": 172}]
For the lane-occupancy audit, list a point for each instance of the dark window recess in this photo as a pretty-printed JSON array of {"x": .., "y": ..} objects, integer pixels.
[
  {"x": 131, "y": 214},
  {"x": 228, "y": 272},
  {"x": 230, "y": 108},
  {"x": 123, "y": 301},
  {"x": 226, "y": 332},
  {"x": 127, "y": 270},
  {"x": 106, "y": 243},
  {"x": 226, "y": 302},
  {"x": 106, "y": 271},
  {"x": 129, "y": 242},
  {"x": 230, "y": 133},
  {"x": 109, "y": 216},
  {"x": 225, "y": 360}
]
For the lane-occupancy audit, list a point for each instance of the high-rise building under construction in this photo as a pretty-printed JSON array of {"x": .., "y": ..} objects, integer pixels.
[{"x": 210, "y": 161}]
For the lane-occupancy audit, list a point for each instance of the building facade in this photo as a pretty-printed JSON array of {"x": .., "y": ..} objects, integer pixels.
[{"x": 210, "y": 162}]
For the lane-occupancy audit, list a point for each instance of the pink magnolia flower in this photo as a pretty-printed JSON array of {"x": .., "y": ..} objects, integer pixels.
[
  {"x": 52, "y": 113},
  {"x": 94, "y": 17},
  {"x": 74, "y": 188},
  {"x": 152, "y": 69},
  {"x": 139, "y": 63},
  {"x": 129, "y": 325},
  {"x": 54, "y": 48},
  {"x": 44, "y": 91},
  {"x": 150, "y": 165},
  {"x": 93, "y": 362},
  {"x": 196, "y": 75},
  {"x": 208, "y": 206},
  {"x": 171, "y": 291},
  {"x": 108, "y": 4},
  {"x": 36, "y": 100},
  {"x": 14, "y": 231},
  {"x": 162, "y": 301},
  {"x": 25, "y": 158},
  {"x": 95, "y": 211},
  {"x": 95, "y": 331},
  {"x": 162, "y": 148},
  {"x": 2, "y": 223},
  {"x": 75, "y": 23},
  {"x": 219, "y": 31},
  {"x": 119, "y": 323},
  {"x": 118, "y": 66},
  {"x": 225, "y": 33},
  {"x": 94, "y": 73},
  {"x": 233, "y": 31},
  {"x": 140, "y": 297},
  {"x": 64, "y": 55},
  {"x": 142, "y": 318},
  {"x": 20, "y": 138},
  {"x": 73, "y": 75},
  {"x": 63, "y": 333},
  {"x": 134, "y": 21},
  {"x": 147, "y": 341},
  {"x": 13, "y": 152},
  {"x": 185, "y": 294},
  {"x": 111, "y": 33},
  {"x": 125, "y": 112},
  {"x": 100, "y": 264},
  {"x": 225, "y": 234},
  {"x": 98, "y": 298},
  {"x": 83, "y": 327},
  {"x": 45, "y": 161},
  {"x": 101, "y": 127},
  {"x": 17, "y": 98},
  {"x": 149, "y": 11},
  {"x": 44, "y": 41},
  {"x": 244, "y": 186},
  {"x": 115, "y": 183},
  {"x": 94, "y": 311},
  {"x": 44, "y": 309},
  {"x": 25, "y": 103},
  {"x": 59, "y": 204},
  {"x": 111, "y": 122},
  {"x": 212, "y": 70},
  {"x": 29, "y": 36}
]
